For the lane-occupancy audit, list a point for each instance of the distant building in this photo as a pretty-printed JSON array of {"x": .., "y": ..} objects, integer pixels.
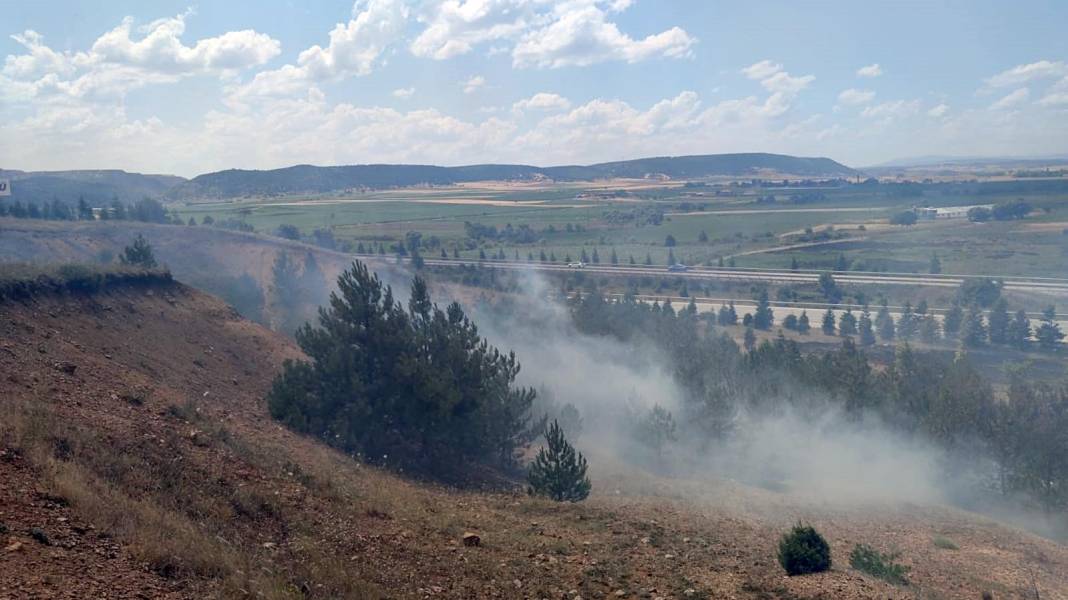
[{"x": 948, "y": 212}]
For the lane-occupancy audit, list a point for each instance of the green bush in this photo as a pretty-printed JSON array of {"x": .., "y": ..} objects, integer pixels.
[
  {"x": 558, "y": 471},
  {"x": 869, "y": 560},
  {"x": 803, "y": 550}
]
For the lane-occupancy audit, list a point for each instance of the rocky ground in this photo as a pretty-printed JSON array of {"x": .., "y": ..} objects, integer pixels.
[{"x": 137, "y": 460}]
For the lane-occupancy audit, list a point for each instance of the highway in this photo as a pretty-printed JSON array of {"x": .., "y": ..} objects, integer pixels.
[{"x": 1048, "y": 285}]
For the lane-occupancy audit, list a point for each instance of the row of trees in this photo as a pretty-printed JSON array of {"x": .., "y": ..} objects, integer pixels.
[
  {"x": 942, "y": 400},
  {"x": 969, "y": 327},
  {"x": 145, "y": 210}
]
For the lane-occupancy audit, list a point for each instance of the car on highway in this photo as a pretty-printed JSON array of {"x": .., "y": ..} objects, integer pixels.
[
  {"x": 576, "y": 265},
  {"x": 678, "y": 268}
]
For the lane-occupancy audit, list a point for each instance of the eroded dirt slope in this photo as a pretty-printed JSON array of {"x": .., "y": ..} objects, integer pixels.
[{"x": 134, "y": 436}]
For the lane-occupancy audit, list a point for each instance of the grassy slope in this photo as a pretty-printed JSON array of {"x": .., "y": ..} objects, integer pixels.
[{"x": 166, "y": 451}]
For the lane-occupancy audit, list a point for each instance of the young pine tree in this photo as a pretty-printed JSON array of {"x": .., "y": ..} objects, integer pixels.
[
  {"x": 828, "y": 322},
  {"x": 866, "y": 334},
  {"x": 1019, "y": 331},
  {"x": 1049, "y": 332},
  {"x": 559, "y": 471},
  {"x": 803, "y": 326},
  {"x": 138, "y": 254}
]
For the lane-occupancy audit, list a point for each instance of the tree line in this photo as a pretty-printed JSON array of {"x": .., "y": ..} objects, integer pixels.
[{"x": 944, "y": 401}]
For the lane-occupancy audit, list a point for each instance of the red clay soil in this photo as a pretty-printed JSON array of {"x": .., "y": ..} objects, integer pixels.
[{"x": 168, "y": 373}]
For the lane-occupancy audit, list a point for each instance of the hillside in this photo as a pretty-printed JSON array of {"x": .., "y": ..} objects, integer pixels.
[
  {"x": 98, "y": 187},
  {"x": 312, "y": 179},
  {"x": 132, "y": 469},
  {"x": 235, "y": 265}
]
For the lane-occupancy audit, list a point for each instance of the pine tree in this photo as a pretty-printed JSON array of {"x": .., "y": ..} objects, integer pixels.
[
  {"x": 671, "y": 257},
  {"x": 998, "y": 322},
  {"x": 973, "y": 331},
  {"x": 631, "y": 260},
  {"x": 929, "y": 329},
  {"x": 884, "y": 323},
  {"x": 719, "y": 262},
  {"x": 583, "y": 257},
  {"x": 906, "y": 324},
  {"x": 952, "y": 321},
  {"x": 936, "y": 265},
  {"x": 702, "y": 237},
  {"x": 793, "y": 264},
  {"x": 138, "y": 254},
  {"x": 648, "y": 259},
  {"x": 1049, "y": 332},
  {"x": 559, "y": 471},
  {"x": 847, "y": 323},
  {"x": 864, "y": 329},
  {"x": 614, "y": 258},
  {"x": 750, "y": 339},
  {"x": 803, "y": 326},
  {"x": 1018, "y": 334},
  {"x": 595, "y": 258},
  {"x": 828, "y": 322},
  {"x": 763, "y": 317}
]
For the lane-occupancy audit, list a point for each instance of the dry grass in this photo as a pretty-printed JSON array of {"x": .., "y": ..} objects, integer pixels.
[{"x": 19, "y": 280}]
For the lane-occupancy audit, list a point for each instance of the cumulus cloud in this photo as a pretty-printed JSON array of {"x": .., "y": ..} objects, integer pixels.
[
  {"x": 541, "y": 34},
  {"x": 404, "y": 93},
  {"x": 870, "y": 71},
  {"x": 1020, "y": 74},
  {"x": 775, "y": 79},
  {"x": 1012, "y": 99},
  {"x": 355, "y": 49},
  {"x": 542, "y": 101},
  {"x": 119, "y": 60},
  {"x": 938, "y": 111},
  {"x": 855, "y": 97},
  {"x": 161, "y": 49},
  {"x": 474, "y": 83},
  {"x": 580, "y": 35},
  {"x": 892, "y": 110}
]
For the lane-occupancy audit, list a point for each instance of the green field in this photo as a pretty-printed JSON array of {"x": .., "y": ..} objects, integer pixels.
[{"x": 568, "y": 219}]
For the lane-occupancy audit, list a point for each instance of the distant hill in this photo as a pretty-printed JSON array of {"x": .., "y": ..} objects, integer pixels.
[
  {"x": 98, "y": 187},
  {"x": 313, "y": 179}
]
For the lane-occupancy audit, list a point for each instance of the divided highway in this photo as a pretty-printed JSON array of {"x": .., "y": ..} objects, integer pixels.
[{"x": 1049, "y": 285}]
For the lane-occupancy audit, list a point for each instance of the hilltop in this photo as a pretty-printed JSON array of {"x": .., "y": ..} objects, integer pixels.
[
  {"x": 314, "y": 179},
  {"x": 130, "y": 468}
]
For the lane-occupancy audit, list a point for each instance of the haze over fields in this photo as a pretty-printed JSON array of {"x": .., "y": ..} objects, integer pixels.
[{"x": 539, "y": 299}]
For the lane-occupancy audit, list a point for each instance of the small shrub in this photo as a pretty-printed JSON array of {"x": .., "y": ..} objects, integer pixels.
[
  {"x": 869, "y": 560},
  {"x": 803, "y": 550},
  {"x": 945, "y": 543}
]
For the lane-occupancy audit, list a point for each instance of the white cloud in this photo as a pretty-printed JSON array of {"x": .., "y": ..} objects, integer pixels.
[
  {"x": 1012, "y": 99},
  {"x": 762, "y": 70},
  {"x": 938, "y": 111},
  {"x": 542, "y": 101},
  {"x": 355, "y": 49},
  {"x": 870, "y": 71},
  {"x": 1054, "y": 99},
  {"x": 892, "y": 110},
  {"x": 117, "y": 63},
  {"x": 404, "y": 93},
  {"x": 580, "y": 35},
  {"x": 161, "y": 48},
  {"x": 1021, "y": 74},
  {"x": 474, "y": 83},
  {"x": 541, "y": 34},
  {"x": 855, "y": 97}
]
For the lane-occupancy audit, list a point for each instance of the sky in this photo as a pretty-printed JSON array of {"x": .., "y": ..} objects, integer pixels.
[{"x": 181, "y": 88}]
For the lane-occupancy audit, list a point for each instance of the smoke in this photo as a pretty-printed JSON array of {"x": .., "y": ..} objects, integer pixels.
[{"x": 820, "y": 457}]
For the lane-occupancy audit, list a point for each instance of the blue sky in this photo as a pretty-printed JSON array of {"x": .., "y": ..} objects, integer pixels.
[{"x": 188, "y": 88}]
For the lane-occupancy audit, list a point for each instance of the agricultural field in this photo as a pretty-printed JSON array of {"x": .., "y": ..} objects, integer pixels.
[{"x": 748, "y": 226}]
